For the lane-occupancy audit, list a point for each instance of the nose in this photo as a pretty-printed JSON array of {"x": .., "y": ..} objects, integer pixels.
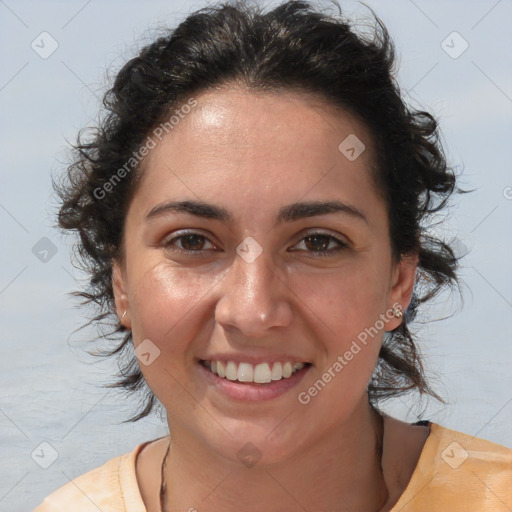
[{"x": 254, "y": 298}]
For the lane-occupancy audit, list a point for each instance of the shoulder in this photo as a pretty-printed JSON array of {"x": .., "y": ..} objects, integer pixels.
[
  {"x": 452, "y": 450},
  {"x": 110, "y": 487},
  {"x": 457, "y": 471}
]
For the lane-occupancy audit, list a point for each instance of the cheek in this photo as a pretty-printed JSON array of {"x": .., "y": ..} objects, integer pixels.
[
  {"x": 345, "y": 311},
  {"x": 166, "y": 302},
  {"x": 345, "y": 302},
  {"x": 170, "y": 307}
]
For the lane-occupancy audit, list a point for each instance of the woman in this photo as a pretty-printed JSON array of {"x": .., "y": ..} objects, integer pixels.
[{"x": 253, "y": 210}]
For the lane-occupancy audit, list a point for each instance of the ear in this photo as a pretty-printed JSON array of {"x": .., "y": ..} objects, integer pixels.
[
  {"x": 120, "y": 295},
  {"x": 402, "y": 285}
]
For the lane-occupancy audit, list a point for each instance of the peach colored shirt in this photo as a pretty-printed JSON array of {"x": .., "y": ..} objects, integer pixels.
[{"x": 455, "y": 472}]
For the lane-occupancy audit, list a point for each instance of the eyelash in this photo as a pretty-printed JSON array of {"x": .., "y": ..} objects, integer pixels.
[
  {"x": 326, "y": 253},
  {"x": 330, "y": 238}
]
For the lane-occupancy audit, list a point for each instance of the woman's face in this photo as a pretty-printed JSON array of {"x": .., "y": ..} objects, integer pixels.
[{"x": 255, "y": 238}]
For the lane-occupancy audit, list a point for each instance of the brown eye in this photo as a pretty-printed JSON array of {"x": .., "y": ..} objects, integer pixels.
[
  {"x": 192, "y": 242},
  {"x": 189, "y": 243},
  {"x": 320, "y": 244},
  {"x": 317, "y": 242}
]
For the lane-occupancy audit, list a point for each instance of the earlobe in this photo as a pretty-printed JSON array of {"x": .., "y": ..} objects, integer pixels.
[
  {"x": 120, "y": 295},
  {"x": 404, "y": 279}
]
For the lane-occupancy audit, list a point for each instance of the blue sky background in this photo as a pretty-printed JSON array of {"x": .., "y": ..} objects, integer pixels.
[{"x": 50, "y": 389}]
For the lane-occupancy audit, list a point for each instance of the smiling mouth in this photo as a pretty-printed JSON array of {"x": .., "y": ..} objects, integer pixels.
[{"x": 262, "y": 373}]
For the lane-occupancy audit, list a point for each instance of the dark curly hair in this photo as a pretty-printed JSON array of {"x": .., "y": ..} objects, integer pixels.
[{"x": 294, "y": 47}]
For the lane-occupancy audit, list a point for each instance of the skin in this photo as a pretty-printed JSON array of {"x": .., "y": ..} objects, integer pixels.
[{"x": 253, "y": 154}]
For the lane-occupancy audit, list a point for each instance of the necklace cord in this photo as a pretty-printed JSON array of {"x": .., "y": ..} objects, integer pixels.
[{"x": 163, "y": 485}]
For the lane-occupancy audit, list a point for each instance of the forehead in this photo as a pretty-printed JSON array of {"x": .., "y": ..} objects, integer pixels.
[
  {"x": 293, "y": 122},
  {"x": 268, "y": 144}
]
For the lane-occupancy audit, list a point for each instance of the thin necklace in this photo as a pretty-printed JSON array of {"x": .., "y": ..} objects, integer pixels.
[
  {"x": 163, "y": 486},
  {"x": 380, "y": 438}
]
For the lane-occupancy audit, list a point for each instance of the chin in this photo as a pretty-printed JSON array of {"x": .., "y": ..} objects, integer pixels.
[{"x": 252, "y": 445}]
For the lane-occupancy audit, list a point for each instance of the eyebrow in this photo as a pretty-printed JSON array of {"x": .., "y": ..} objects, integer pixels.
[{"x": 289, "y": 213}]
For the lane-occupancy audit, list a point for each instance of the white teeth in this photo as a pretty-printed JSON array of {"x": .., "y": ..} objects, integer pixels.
[
  {"x": 231, "y": 371},
  {"x": 277, "y": 371},
  {"x": 245, "y": 372},
  {"x": 221, "y": 371},
  {"x": 261, "y": 373}
]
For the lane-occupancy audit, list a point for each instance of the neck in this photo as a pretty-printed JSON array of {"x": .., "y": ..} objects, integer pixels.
[{"x": 341, "y": 472}]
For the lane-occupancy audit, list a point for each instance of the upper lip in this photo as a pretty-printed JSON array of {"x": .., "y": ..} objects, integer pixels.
[{"x": 242, "y": 358}]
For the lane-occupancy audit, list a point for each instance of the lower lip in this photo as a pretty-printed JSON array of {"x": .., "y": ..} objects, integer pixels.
[{"x": 251, "y": 391}]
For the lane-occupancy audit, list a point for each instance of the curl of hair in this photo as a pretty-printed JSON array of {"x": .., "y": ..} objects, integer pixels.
[{"x": 290, "y": 48}]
